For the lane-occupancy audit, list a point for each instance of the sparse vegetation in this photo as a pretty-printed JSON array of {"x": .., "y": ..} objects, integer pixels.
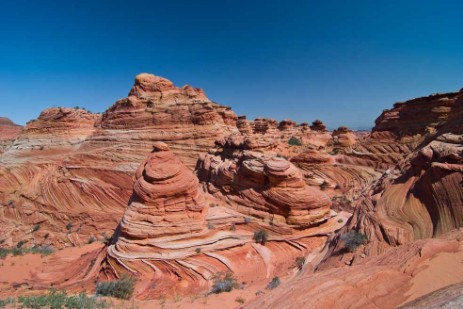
[
  {"x": 274, "y": 283},
  {"x": 105, "y": 238},
  {"x": 20, "y": 243},
  {"x": 233, "y": 227},
  {"x": 353, "y": 240},
  {"x": 56, "y": 299},
  {"x": 240, "y": 300},
  {"x": 91, "y": 240},
  {"x": 6, "y": 301},
  {"x": 46, "y": 235},
  {"x": 325, "y": 185},
  {"x": 300, "y": 261},
  {"x": 35, "y": 228},
  {"x": 223, "y": 282},
  {"x": 210, "y": 226},
  {"x": 340, "y": 221},
  {"x": 122, "y": 288},
  {"x": 294, "y": 141},
  {"x": 69, "y": 226},
  {"x": 42, "y": 249},
  {"x": 198, "y": 250},
  {"x": 260, "y": 236},
  {"x": 247, "y": 220}
]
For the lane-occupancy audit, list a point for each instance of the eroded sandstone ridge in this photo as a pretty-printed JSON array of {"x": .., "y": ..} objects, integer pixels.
[
  {"x": 69, "y": 169},
  {"x": 8, "y": 132},
  {"x": 177, "y": 243},
  {"x": 263, "y": 186},
  {"x": 421, "y": 196}
]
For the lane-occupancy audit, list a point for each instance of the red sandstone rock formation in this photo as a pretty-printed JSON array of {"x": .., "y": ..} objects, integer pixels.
[
  {"x": 72, "y": 166},
  {"x": 421, "y": 196},
  {"x": 263, "y": 186},
  {"x": 9, "y": 131},
  {"x": 317, "y": 125},
  {"x": 172, "y": 239},
  {"x": 397, "y": 277}
]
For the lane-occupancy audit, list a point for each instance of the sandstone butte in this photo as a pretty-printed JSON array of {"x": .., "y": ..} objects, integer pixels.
[{"x": 182, "y": 184}]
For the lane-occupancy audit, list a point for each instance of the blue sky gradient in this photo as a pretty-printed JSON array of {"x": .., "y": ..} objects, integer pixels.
[{"x": 340, "y": 61}]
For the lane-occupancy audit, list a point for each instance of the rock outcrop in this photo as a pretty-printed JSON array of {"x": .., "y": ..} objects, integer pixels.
[
  {"x": 421, "y": 196},
  {"x": 388, "y": 281},
  {"x": 9, "y": 131},
  {"x": 73, "y": 166},
  {"x": 177, "y": 243}
]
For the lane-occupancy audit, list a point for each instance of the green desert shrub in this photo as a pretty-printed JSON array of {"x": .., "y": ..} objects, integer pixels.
[
  {"x": 20, "y": 243},
  {"x": 260, "y": 237},
  {"x": 274, "y": 283},
  {"x": 223, "y": 282},
  {"x": 294, "y": 141},
  {"x": 122, "y": 288},
  {"x": 353, "y": 240},
  {"x": 300, "y": 261},
  {"x": 69, "y": 226}
]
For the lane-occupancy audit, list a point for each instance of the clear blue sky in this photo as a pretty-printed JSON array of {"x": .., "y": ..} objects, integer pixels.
[{"x": 340, "y": 61}]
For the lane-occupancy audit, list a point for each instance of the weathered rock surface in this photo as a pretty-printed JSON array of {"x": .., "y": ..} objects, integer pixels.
[
  {"x": 387, "y": 281},
  {"x": 72, "y": 166},
  {"x": 9, "y": 131},
  {"x": 170, "y": 237},
  {"x": 263, "y": 186}
]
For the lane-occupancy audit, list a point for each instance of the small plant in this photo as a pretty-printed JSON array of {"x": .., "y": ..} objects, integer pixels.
[
  {"x": 20, "y": 243},
  {"x": 260, "y": 236},
  {"x": 91, "y": 240},
  {"x": 212, "y": 205},
  {"x": 294, "y": 141},
  {"x": 105, "y": 238},
  {"x": 300, "y": 261},
  {"x": 35, "y": 228},
  {"x": 6, "y": 301},
  {"x": 122, "y": 288},
  {"x": 198, "y": 250},
  {"x": 69, "y": 226},
  {"x": 340, "y": 221},
  {"x": 42, "y": 249},
  {"x": 210, "y": 226},
  {"x": 325, "y": 185},
  {"x": 247, "y": 220},
  {"x": 274, "y": 283},
  {"x": 223, "y": 282},
  {"x": 240, "y": 300},
  {"x": 233, "y": 227},
  {"x": 46, "y": 235},
  {"x": 353, "y": 240}
]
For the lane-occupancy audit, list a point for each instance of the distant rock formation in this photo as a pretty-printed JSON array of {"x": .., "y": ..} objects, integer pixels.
[
  {"x": 9, "y": 131},
  {"x": 264, "y": 186}
]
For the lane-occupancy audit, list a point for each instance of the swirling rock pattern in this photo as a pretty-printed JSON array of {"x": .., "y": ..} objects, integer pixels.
[
  {"x": 78, "y": 166},
  {"x": 176, "y": 243},
  {"x": 263, "y": 186}
]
